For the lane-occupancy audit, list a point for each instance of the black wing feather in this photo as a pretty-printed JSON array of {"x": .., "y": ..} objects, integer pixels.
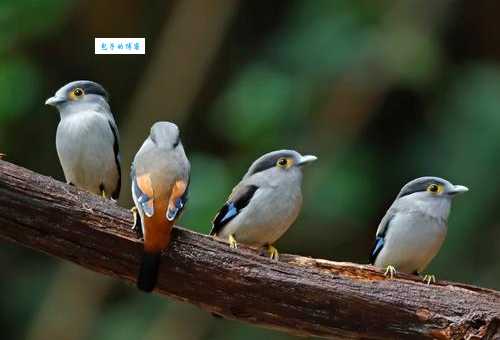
[
  {"x": 116, "y": 150},
  {"x": 232, "y": 208},
  {"x": 379, "y": 242}
]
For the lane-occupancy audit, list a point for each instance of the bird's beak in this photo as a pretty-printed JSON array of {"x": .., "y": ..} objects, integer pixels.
[
  {"x": 307, "y": 159},
  {"x": 458, "y": 189},
  {"x": 53, "y": 101}
]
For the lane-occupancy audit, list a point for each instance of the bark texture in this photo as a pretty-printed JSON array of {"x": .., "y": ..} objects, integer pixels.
[{"x": 299, "y": 295}]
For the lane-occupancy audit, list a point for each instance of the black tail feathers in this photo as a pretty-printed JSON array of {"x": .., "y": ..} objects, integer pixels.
[{"x": 148, "y": 273}]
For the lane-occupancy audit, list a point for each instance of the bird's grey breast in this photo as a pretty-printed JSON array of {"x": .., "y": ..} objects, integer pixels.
[
  {"x": 414, "y": 234},
  {"x": 437, "y": 208},
  {"x": 270, "y": 212},
  {"x": 84, "y": 144}
]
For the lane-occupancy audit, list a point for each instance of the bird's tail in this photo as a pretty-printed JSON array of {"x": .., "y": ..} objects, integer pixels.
[{"x": 148, "y": 272}]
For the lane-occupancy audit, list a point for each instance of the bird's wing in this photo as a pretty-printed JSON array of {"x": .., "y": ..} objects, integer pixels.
[
  {"x": 238, "y": 200},
  {"x": 380, "y": 236},
  {"x": 178, "y": 199},
  {"x": 143, "y": 191},
  {"x": 116, "y": 149}
]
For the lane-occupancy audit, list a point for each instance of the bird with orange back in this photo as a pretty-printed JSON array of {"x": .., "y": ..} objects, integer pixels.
[{"x": 160, "y": 179}]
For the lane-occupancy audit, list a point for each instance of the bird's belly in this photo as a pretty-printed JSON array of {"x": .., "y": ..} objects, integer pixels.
[
  {"x": 411, "y": 247},
  {"x": 85, "y": 149},
  {"x": 259, "y": 234},
  {"x": 263, "y": 222}
]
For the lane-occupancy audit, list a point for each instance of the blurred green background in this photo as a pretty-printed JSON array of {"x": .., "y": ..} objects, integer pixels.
[{"x": 381, "y": 91}]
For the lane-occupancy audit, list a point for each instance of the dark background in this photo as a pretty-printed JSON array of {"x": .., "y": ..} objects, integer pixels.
[{"x": 381, "y": 91}]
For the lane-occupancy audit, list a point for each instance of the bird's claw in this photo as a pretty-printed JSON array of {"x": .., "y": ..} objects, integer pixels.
[
  {"x": 103, "y": 194},
  {"x": 429, "y": 279},
  {"x": 390, "y": 271},
  {"x": 273, "y": 252},
  {"x": 232, "y": 242}
]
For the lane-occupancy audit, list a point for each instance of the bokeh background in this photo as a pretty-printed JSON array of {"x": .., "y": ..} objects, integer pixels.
[{"x": 381, "y": 91}]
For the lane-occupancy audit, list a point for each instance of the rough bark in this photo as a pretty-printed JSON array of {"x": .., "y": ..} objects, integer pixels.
[{"x": 299, "y": 295}]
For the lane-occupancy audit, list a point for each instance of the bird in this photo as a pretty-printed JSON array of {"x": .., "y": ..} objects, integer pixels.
[
  {"x": 414, "y": 228},
  {"x": 87, "y": 139},
  {"x": 160, "y": 175},
  {"x": 265, "y": 203}
]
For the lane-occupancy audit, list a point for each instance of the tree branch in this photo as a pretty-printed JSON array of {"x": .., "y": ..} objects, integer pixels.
[{"x": 299, "y": 295}]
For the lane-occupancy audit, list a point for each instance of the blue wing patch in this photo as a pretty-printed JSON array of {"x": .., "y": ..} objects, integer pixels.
[
  {"x": 230, "y": 213},
  {"x": 232, "y": 208},
  {"x": 380, "y": 240},
  {"x": 172, "y": 213},
  {"x": 377, "y": 248},
  {"x": 145, "y": 202},
  {"x": 180, "y": 203}
]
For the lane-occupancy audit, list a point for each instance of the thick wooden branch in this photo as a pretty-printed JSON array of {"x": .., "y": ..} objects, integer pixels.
[{"x": 299, "y": 295}]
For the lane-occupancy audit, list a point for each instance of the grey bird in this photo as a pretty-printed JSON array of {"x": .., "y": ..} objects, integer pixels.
[
  {"x": 87, "y": 138},
  {"x": 160, "y": 180},
  {"x": 265, "y": 203},
  {"x": 414, "y": 228}
]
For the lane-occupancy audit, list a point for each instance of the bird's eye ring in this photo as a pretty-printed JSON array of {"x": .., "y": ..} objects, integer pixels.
[
  {"x": 78, "y": 92},
  {"x": 433, "y": 188},
  {"x": 282, "y": 162}
]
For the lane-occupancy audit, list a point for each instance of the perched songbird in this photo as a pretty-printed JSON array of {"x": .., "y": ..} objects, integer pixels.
[
  {"x": 160, "y": 179},
  {"x": 414, "y": 228},
  {"x": 87, "y": 138},
  {"x": 265, "y": 203}
]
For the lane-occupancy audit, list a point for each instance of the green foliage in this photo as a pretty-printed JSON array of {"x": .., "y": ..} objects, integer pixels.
[
  {"x": 415, "y": 106},
  {"x": 208, "y": 191},
  {"x": 27, "y": 19},
  {"x": 19, "y": 87}
]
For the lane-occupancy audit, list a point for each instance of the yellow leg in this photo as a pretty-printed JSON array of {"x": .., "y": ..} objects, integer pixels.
[
  {"x": 133, "y": 210},
  {"x": 390, "y": 271},
  {"x": 429, "y": 279},
  {"x": 103, "y": 193},
  {"x": 137, "y": 222},
  {"x": 273, "y": 252},
  {"x": 232, "y": 242}
]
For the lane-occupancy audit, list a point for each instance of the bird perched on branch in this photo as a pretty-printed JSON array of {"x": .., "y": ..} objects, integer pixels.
[
  {"x": 87, "y": 138},
  {"x": 160, "y": 179},
  {"x": 414, "y": 228},
  {"x": 265, "y": 203}
]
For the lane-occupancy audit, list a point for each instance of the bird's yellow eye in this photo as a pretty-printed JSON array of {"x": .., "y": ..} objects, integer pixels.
[
  {"x": 435, "y": 188},
  {"x": 282, "y": 162},
  {"x": 78, "y": 92}
]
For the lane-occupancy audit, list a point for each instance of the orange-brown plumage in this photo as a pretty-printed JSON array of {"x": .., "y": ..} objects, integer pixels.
[
  {"x": 157, "y": 228},
  {"x": 160, "y": 176}
]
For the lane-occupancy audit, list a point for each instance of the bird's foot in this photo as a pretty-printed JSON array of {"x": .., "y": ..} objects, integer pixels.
[
  {"x": 232, "y": 242},
  {"x": 103, "y": 194},
  {"x": 390, "y": 271},
  {"x": 137, "y": 223},
  {"x": 428, "y": 278},
  {"x": 273, "y": 252}
]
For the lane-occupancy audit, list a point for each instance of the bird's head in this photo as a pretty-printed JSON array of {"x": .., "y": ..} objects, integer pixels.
[
  {"x": 431, "y": 188},
  {"x": 79, "y": 95},
  {"x": 165, "y": 135},
  {"x": 280, "y": 163}
]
